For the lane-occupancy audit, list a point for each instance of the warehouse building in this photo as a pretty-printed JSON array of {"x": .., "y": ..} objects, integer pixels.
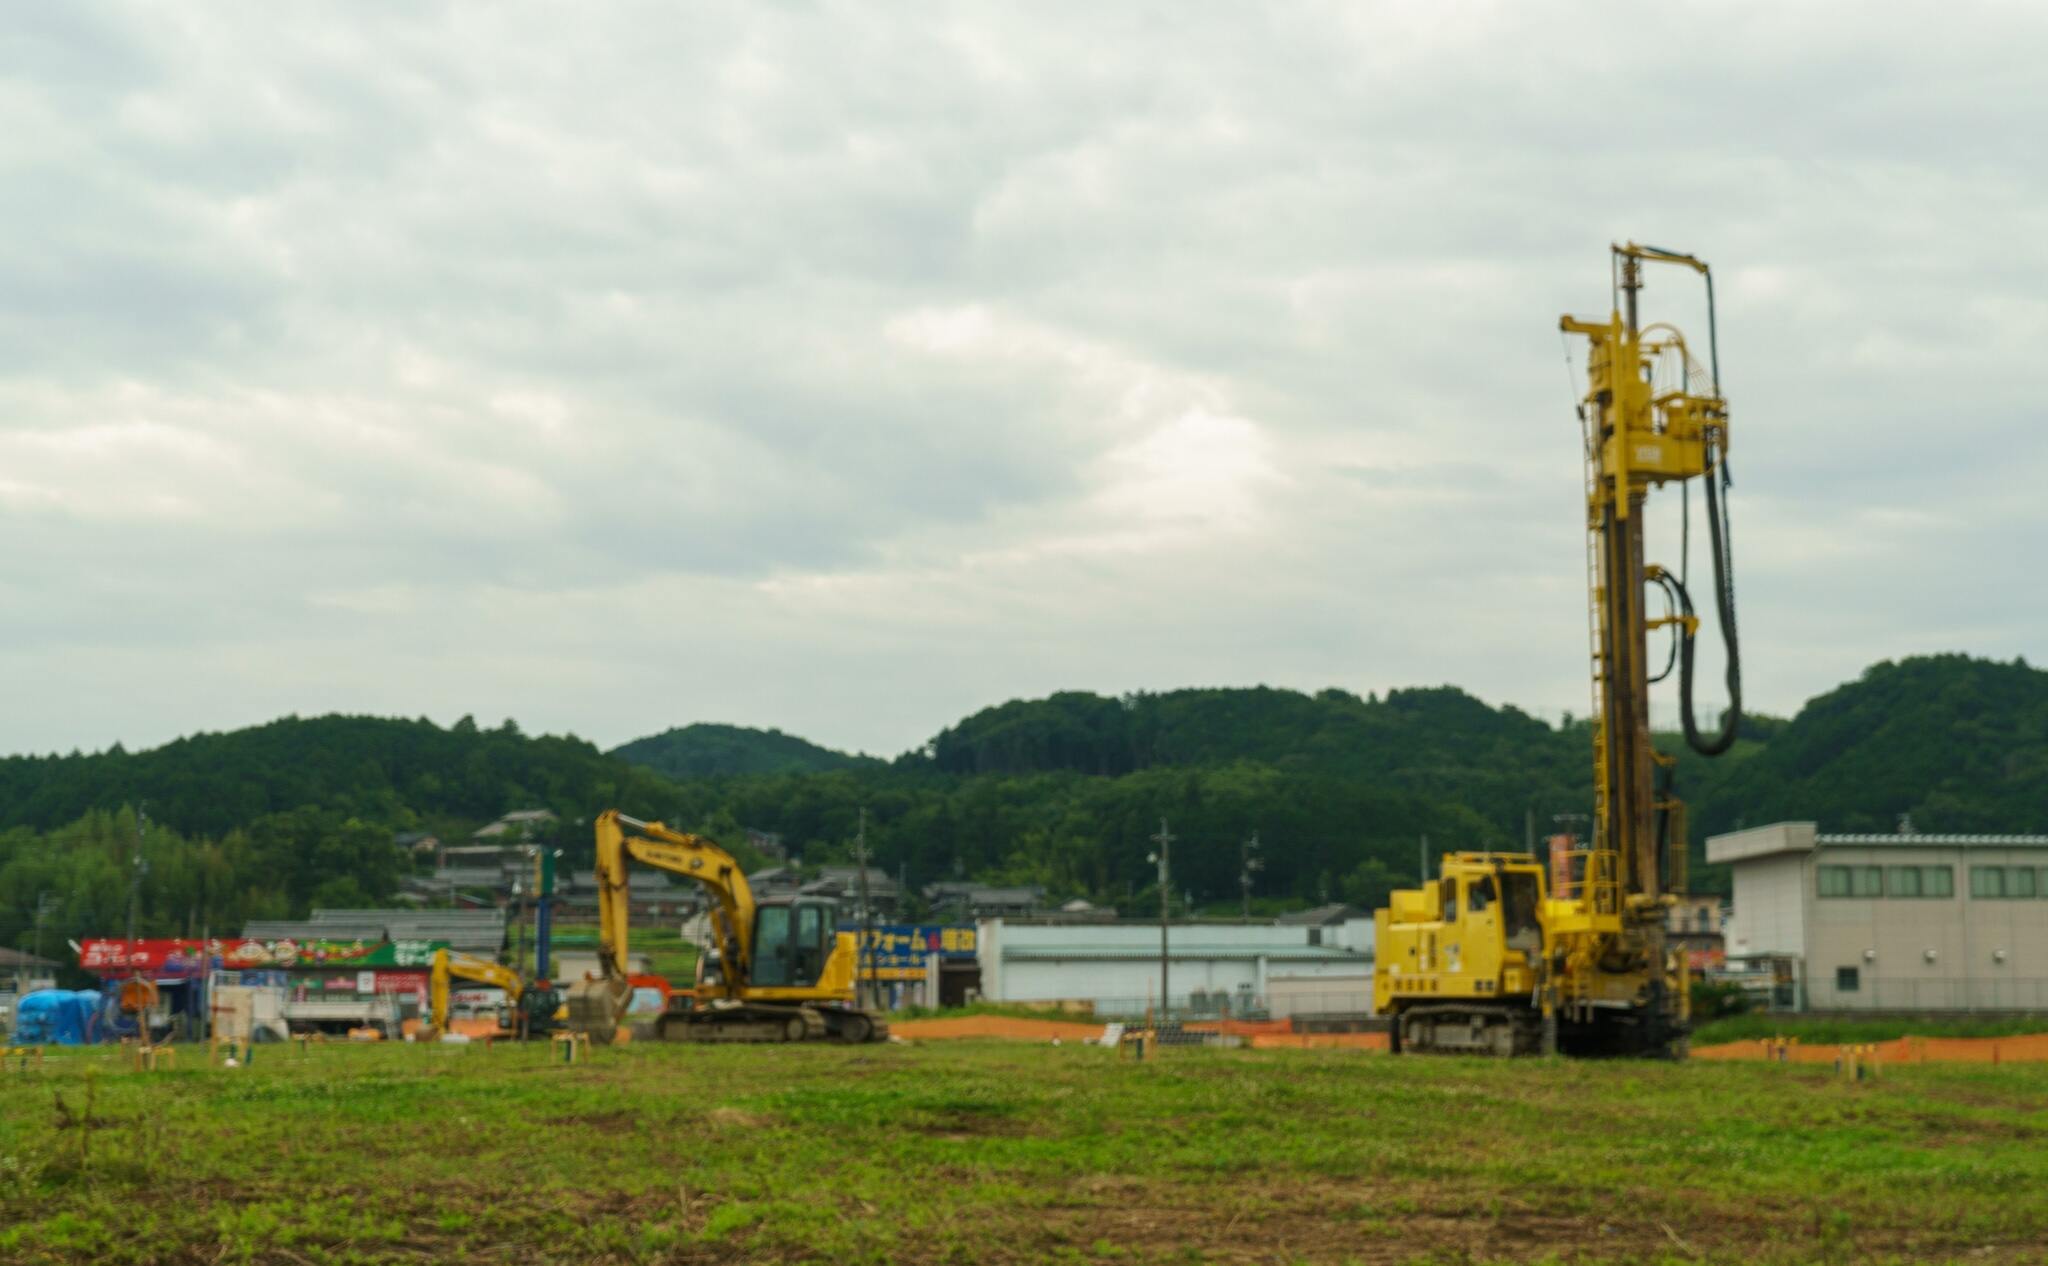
[
  {"x": 1214, "y": 968},
  {"x": 1901, "y": 922}
]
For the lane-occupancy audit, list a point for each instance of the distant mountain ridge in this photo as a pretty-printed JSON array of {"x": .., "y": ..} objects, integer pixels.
[{"x": 706, "y": 749}]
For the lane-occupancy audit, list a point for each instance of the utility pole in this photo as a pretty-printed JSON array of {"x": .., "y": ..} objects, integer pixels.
[
  {"x": 1249, "y": 863},
  {"x": 1422, "y": 856},
  {"x": 1164, "y": 857},
  {"x": 866, "y": 960},
  {"x": 137, "y": 869},
  {"x": 46, "y": 904},
  {"x": 519, "y": 925}
]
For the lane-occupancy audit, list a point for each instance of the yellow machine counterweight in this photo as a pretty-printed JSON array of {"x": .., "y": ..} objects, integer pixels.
[{"x": 1497, "y": 956}]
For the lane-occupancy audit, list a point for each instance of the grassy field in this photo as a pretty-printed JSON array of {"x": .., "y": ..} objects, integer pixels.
[{"x": 973, "y": 1153}]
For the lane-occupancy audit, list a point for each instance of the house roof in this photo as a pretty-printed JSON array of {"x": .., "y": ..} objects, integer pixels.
[
  {"x": 471, "y": 931},
  {"x": 636, "y": 881},
  {"x": 850, "y": 875},
  {"x": 504, "y": 824},
  {"x": 11, "y": 959},
  {"x": 986, "y": 894},
  {"x": 462, "y": 877}
]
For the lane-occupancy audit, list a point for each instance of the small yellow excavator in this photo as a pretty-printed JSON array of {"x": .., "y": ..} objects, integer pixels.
[
  {"x": 450, "y": 965},
  {"x": 785, "y": 972}
]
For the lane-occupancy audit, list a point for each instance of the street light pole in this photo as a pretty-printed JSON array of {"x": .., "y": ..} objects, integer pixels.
[
  {"x": 45, "y": 906},
  {"x": 1164, "y": 857},
  {"x": 137, "y": 870},
  {"x": 1249, "y": 864},
  {"x": 864, "y": 962}
]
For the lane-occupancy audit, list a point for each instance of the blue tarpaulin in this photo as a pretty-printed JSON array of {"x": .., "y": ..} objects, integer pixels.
[{"x": 57, "y": 1017}]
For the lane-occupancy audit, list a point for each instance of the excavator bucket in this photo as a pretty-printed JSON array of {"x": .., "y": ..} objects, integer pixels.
[{"x": 597, "y": 1007}]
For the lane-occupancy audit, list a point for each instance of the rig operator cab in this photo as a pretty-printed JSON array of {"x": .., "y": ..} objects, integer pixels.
[{"x": 1474, "y": 935}]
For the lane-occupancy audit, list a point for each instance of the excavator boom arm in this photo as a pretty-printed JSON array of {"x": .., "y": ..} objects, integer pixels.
[{"x": 680, "y": 853}]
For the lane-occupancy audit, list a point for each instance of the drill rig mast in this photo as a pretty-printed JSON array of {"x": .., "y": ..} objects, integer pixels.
[
  {"x": 1496, "y": 956},
  {"x": 1651, "y": 415}
]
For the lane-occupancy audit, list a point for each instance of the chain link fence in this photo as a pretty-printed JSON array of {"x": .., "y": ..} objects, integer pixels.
[{"x": 1225, "y": 1005}]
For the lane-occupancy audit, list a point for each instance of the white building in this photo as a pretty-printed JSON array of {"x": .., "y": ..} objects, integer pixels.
[
  {"x": 1892, "y": 922},
  {"x": 1212, "y": 968}
]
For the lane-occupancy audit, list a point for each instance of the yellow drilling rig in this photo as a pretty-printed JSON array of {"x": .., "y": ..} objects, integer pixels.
[{"x": 1499, "y": 955}]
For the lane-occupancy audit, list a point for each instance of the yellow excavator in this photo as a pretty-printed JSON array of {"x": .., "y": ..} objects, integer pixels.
[
  {"x": 450, "y": 965},
  {"x": 1496, "y": 956},
  {"x": 785, "y": 973}
]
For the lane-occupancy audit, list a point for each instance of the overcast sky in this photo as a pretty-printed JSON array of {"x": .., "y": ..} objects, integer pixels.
[{"x": 847, "y": 368}]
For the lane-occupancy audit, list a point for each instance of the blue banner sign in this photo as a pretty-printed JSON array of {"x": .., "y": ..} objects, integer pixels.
[{"x": 898, "y": 951}]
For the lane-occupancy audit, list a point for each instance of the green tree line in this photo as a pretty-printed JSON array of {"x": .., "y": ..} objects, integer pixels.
[{"x": 1064, "y": 792}]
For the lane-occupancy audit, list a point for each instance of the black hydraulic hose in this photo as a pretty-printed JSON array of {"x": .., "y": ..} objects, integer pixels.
[
  {"x": 1724, "y": 607},
  {"x": 1668, "y": 777},
  {"x": 1675, "y": 602}
]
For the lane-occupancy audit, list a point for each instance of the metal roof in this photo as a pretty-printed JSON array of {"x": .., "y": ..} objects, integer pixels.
[
  {"x": 461, "y": 877},
  {"x": 302, "y": 930},
  {"x": 1926, "y": 841},
  {"x": 472, "y": 931},
  {"x": 1322, "y": 916},
  {"x": 636, "y": 880}
]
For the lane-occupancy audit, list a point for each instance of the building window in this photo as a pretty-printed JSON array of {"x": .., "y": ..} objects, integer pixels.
[
  {"x": 1866, "y": 881},
  {"x": 2019, "y": 882},
  {"x": 1834, "y": 881},
  {"x": 1907, "y": 882},
  {"x": 1848, "y": 979},
  {"x": 1987, "y": 881}
]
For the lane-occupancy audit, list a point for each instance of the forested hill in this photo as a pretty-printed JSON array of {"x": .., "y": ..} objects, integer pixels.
[
  {"x": 377, "y": 768},
  {"x": 1436, "y": 742},
  {"x": 703, "y": 750},
  {"x": 1954, "y": 743},
  {"x": 1063, "y": 792},
  {"x": 1333, "y": 730}
]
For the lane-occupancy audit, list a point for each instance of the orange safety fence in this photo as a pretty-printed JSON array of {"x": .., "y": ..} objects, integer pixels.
[{"x": 2023, "y": 1049}]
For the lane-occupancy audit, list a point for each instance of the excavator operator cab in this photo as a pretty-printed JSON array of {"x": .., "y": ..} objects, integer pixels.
[{"x": 793, "y": 936}]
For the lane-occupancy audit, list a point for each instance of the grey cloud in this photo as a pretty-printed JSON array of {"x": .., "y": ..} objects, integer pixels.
[{"x": 361, "y": 359}]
